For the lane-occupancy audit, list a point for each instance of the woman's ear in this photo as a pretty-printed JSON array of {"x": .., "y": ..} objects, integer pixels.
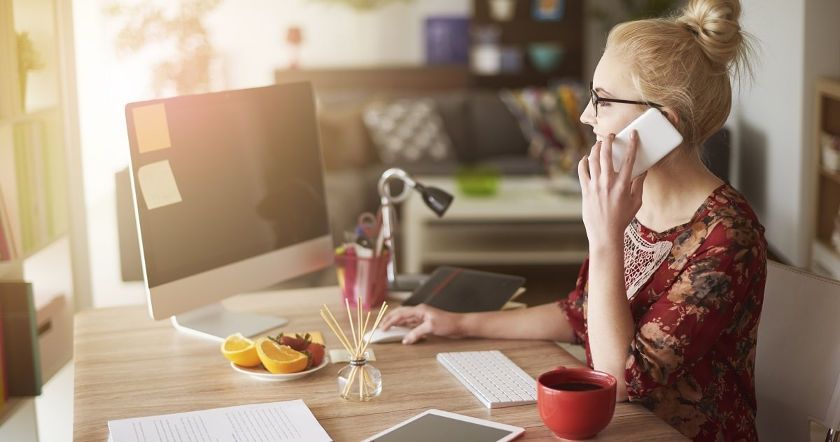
[{"x": 670, "y": 115}]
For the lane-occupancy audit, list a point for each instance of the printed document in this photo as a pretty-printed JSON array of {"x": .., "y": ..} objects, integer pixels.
[{"x": 269, "y": 422}]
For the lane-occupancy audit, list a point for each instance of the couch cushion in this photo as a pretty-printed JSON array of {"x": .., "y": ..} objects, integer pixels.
[
  {"x": 349, "y": 193},
  {"x": 408, "y": 130},
  {"x": 493, "y": 129},
  {"x": 452, "y": 108},
  {"x": 344, "y": 138}
]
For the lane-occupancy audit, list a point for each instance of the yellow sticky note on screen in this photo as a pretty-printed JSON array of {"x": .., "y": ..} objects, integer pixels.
[
  {"x": 151, "y": 127},
  {"x": 157, "y": 184}
]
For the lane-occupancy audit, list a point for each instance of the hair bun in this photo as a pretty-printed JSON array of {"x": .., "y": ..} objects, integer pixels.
[{"x": 714, "y": 23}]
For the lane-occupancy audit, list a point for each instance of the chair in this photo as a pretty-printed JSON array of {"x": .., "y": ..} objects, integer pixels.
[{"x": 798, "y": 356}]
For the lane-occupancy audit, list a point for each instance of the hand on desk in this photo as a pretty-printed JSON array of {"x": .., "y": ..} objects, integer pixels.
[{"x": 424, "y": 320}]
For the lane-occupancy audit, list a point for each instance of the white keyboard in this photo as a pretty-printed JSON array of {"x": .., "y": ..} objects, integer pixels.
[{"x": 493, "y": 378}]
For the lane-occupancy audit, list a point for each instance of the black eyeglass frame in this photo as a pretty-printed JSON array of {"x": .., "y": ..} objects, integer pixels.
[{"x": 595, "y": 99}]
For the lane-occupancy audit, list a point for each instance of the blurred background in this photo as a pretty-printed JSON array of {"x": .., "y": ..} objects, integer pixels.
[{"x": 497, "y": 86}]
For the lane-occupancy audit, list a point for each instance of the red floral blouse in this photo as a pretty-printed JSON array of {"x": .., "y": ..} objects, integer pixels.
[{"x": 692, "y": 358}]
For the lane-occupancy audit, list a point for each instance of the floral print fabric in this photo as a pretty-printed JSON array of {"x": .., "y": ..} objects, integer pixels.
[{"x": 692, "y": 358}]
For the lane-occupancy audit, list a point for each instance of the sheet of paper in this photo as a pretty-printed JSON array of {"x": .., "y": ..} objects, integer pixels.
[
  {"x": 157, "y": 184},
  {"x": 151, "y": 127},
  {"x": 288, "y": 421}
]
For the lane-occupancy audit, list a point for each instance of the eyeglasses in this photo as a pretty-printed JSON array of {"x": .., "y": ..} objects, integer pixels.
[{"x": 597, "y": 100}]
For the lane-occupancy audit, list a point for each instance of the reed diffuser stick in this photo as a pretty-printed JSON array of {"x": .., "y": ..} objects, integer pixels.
[
  {"x": 350, "y": 380},
  {"x": 365, "y": 329},
  {"x": 352, "y": 329},
  {"x": 335, "y": 327},
  {"x": 338, "y": 327},
  {"x": 335, "y": 330},
  {"x": 379, "y": 317},
  {"x": 359, "y": 320}
]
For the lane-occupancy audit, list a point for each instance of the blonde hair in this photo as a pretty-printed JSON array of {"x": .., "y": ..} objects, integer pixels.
[{"x": 684, "y": 62}]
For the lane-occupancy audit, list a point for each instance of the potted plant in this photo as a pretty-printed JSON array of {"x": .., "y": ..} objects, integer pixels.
[{"x": 28, "y": 60}]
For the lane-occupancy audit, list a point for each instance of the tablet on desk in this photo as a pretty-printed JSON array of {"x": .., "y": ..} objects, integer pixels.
[{"x": 435, "y": 425}]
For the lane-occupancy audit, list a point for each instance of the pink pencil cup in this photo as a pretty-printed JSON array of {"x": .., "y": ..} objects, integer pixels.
[{"x": 362, "y": 276}]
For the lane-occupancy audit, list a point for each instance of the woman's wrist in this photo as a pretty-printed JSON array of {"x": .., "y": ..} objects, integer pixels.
[
  {"x": 464, "y": 324},
  {"x": 606, "y": 246}
]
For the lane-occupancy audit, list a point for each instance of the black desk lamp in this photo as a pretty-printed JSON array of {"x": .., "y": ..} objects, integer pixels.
[{"x": 437, "y": 199}]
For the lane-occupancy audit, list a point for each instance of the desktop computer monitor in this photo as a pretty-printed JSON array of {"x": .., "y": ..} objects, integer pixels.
[{"x": 229, "y": 197}]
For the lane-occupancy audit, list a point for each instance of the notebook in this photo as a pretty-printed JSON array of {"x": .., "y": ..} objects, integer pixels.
[{"x": 462, "y": 290}]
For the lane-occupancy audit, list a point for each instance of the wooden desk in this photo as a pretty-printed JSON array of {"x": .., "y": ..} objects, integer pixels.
[{"x": 129, "y": 366}]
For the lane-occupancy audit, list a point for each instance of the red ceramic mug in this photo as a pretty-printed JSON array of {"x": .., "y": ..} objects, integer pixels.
[{"x": 576, "y": 402}]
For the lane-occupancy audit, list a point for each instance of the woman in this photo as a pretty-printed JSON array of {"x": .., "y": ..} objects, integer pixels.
[{"x": 669, "y": 298}]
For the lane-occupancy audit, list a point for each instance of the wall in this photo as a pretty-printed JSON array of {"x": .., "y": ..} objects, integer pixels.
[
  {"x": 252, "y": 39},
  {"x": 770, "y": 120},
  {"x": 773, "y": 114},
  {"x": 595, "y": 35}
]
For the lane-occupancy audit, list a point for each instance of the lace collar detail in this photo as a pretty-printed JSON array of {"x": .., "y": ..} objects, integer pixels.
[{"x": 641, "y": 259}]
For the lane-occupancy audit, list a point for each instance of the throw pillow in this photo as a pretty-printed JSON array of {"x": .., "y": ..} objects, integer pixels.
[{"x": 408, "y": 131}]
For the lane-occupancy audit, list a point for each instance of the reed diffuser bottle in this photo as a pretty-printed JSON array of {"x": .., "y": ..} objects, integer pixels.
[{"x": 358, "y": 381}]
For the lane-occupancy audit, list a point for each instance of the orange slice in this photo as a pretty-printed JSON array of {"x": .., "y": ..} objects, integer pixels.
[
  {"x": 280, "y": 358},
  {"x": 240, "y": 350}
]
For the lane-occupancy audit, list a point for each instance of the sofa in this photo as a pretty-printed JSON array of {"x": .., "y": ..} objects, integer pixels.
[{"x": 481, "y": 129}]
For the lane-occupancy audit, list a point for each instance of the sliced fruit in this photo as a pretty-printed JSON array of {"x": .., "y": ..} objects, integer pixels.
[
  {"x": 316, "y": 354},
  {"x": 314, "y": 336},
  {"x": 280, "y": 358},
  {"x": 297, "y": 341},
  {"x": 240, "y": 350},
  {"x": 317, "y": 337}
]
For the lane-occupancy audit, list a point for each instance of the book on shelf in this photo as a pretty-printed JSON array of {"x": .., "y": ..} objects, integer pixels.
[
  {"x": 4, "y": 388},
  {"x": 6, "y": 245},
  {"x": 7, "y": 240},
  {"x": 32, "y": 188},
  {"x": 20, "y": 338}
]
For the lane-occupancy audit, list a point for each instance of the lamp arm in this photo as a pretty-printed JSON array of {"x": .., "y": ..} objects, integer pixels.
[
  {"x": 395, "y": 173},
  {"x": 389, "y": 225},
  {"x": 438, "y": 200},
  {"x": 389, "y": 216}
]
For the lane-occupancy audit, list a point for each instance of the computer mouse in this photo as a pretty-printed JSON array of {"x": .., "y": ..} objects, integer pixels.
[{"x": 393, "y": 334}]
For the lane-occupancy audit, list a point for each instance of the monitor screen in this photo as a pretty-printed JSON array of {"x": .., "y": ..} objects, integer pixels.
[{"x": 223, "y": 177}]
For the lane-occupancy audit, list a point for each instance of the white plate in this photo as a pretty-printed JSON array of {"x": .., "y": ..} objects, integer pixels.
[{"x": 259, "y": 372}]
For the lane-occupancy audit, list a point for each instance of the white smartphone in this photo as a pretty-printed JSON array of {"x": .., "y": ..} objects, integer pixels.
[{"x": 657, "y": 137}]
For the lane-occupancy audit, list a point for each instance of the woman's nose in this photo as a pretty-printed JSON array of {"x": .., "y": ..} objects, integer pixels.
[{"x": 588, "y": 115}]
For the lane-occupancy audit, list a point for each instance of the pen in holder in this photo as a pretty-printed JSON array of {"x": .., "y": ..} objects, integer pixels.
[
  {"x": 362, "y": 263},
  {"x": 362, "y": 275},
  {"x": 358, "y": 381}
]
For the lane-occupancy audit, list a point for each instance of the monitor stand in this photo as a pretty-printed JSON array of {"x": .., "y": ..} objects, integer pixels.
[{"x": 216, "y": 322}]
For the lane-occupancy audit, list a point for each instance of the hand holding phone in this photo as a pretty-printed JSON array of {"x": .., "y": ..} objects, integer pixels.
[{"x": 657, "y": 137}]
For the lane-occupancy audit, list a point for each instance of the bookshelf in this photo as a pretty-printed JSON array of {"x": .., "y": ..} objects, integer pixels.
[
  {"x": 825, "y": 256},
  {"x": 522, "y": 30},
  {"x": 41, "y": 194}
]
